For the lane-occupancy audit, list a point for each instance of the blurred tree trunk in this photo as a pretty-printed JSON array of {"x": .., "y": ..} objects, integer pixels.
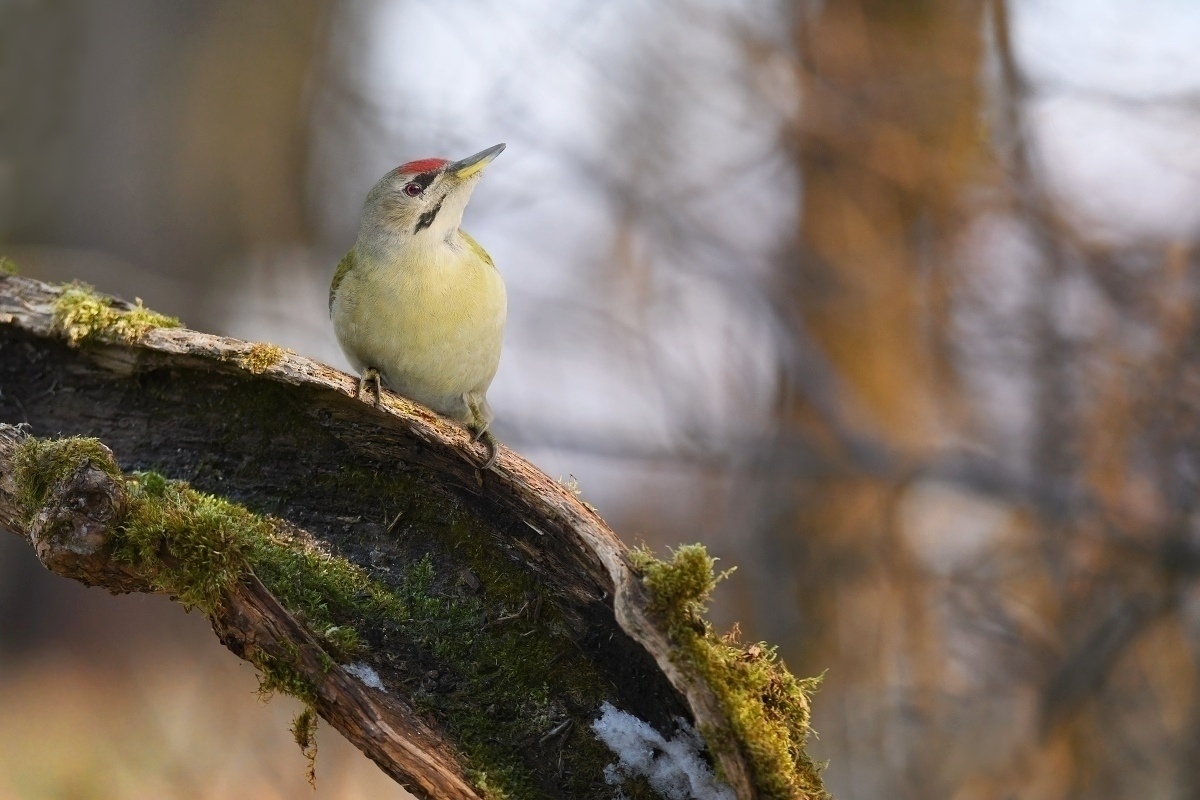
[
  {"x": 887, "y": 138},
  {"x": 169, "y": 136}
]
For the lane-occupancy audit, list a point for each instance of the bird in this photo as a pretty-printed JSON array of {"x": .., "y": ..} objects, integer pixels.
[{"x": 417, "y": 303}]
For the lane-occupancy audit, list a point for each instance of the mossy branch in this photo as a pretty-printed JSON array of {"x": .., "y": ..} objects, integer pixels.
[
  {"x": 463, "y": 629},
  {"x": 90, "y": 522}
]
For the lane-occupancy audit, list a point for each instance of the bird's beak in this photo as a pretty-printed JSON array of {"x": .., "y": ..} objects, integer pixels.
[{"x": 472, "y": 165}]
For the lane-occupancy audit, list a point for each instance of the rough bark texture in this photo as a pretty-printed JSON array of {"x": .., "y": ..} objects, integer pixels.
[{"x": 383, "y": 488}]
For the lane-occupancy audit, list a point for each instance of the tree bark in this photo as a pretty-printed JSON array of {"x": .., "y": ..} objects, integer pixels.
[{"x": 384, "y": 488}]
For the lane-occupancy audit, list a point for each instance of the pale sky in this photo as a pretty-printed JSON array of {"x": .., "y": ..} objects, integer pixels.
[{"x": 1117, "y": 113}]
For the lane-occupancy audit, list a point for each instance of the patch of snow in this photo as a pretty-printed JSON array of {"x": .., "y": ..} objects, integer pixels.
[
  {"x": 365, "y": 674},
  {"x": 674, "y": 767}
]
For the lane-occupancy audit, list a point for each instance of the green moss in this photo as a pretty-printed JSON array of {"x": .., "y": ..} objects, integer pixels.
[
  {"x": 260, "y": 357},
  {"x": 196, "y": 546},
  {"x": 304, "y": 731},
  {"x": 485, "y": 786},
  {"x": 278, "y": 675},
  {"x": 8, "y": 266},
  {"x": 490, "y": 660},
  {"x": 192, "y": 545},
  {"x": 767, "y": 707},
  {"x": 81, "y": 315},
  {"x": 507, "y": 671},
  {"x": 39, "y": 464},
  {"x": 502, "y": 662}
]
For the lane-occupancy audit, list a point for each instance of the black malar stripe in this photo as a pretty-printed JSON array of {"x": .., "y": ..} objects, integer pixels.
[{"x": 426, "y": 219}]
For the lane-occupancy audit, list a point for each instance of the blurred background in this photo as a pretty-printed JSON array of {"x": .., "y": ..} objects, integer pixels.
[{"x": 894, "y": 305}]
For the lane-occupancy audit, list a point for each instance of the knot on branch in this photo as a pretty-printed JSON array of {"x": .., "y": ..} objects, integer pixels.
[
  {"x": 74, "y": 521},
  {"x": 73, "y": 492}
]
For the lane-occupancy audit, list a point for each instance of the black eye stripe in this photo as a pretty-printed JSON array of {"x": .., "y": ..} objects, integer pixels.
[{"x": 425, "y": 178}]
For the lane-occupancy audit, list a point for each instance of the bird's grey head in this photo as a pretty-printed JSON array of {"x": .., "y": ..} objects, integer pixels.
[{"x": 423, "y": 201}]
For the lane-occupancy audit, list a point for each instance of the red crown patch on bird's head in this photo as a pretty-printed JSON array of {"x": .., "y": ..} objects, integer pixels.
[{"x": 421, "y": 165}]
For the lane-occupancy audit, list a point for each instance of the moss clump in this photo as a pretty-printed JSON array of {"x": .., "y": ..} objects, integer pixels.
[
  {"x": 8, "y": 266},
  {"x": 81, "y": 315},
  {"x": 189, "y": 544},
  {"x": 304, "y": 731},
  {"x": 767, "y": 707},
  {"x": 260, "y": 357},
  {"x": 280, "y": 675},
  {"x": 38, "y": 464},
  {"x": 196, "y": 546}
]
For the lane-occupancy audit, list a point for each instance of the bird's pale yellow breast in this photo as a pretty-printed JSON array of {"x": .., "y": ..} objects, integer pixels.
[{"x": 430, "y": 319}]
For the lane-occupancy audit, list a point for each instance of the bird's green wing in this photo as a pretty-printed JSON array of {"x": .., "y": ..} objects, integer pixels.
[
  {"x": 343, "y": 267},
  {"x": 476, "y": 247}
]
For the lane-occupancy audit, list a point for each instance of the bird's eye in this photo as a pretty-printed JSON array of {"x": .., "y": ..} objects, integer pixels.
[{"x": 413, "y": 189}]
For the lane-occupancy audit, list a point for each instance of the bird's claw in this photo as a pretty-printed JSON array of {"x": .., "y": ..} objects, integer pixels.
[
  {"x": 370, "y": 374},
  {"x": 492, "y": 445}
]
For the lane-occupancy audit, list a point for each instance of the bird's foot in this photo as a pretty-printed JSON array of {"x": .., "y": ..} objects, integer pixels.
[
  {"x": 370, "y": 374},
  {"x": 492, "y": 445}
]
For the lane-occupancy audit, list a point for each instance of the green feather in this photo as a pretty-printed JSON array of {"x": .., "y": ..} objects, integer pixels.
[
  {"x": 475, "y": 246},
  {"x": 344, "y": 267}
]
